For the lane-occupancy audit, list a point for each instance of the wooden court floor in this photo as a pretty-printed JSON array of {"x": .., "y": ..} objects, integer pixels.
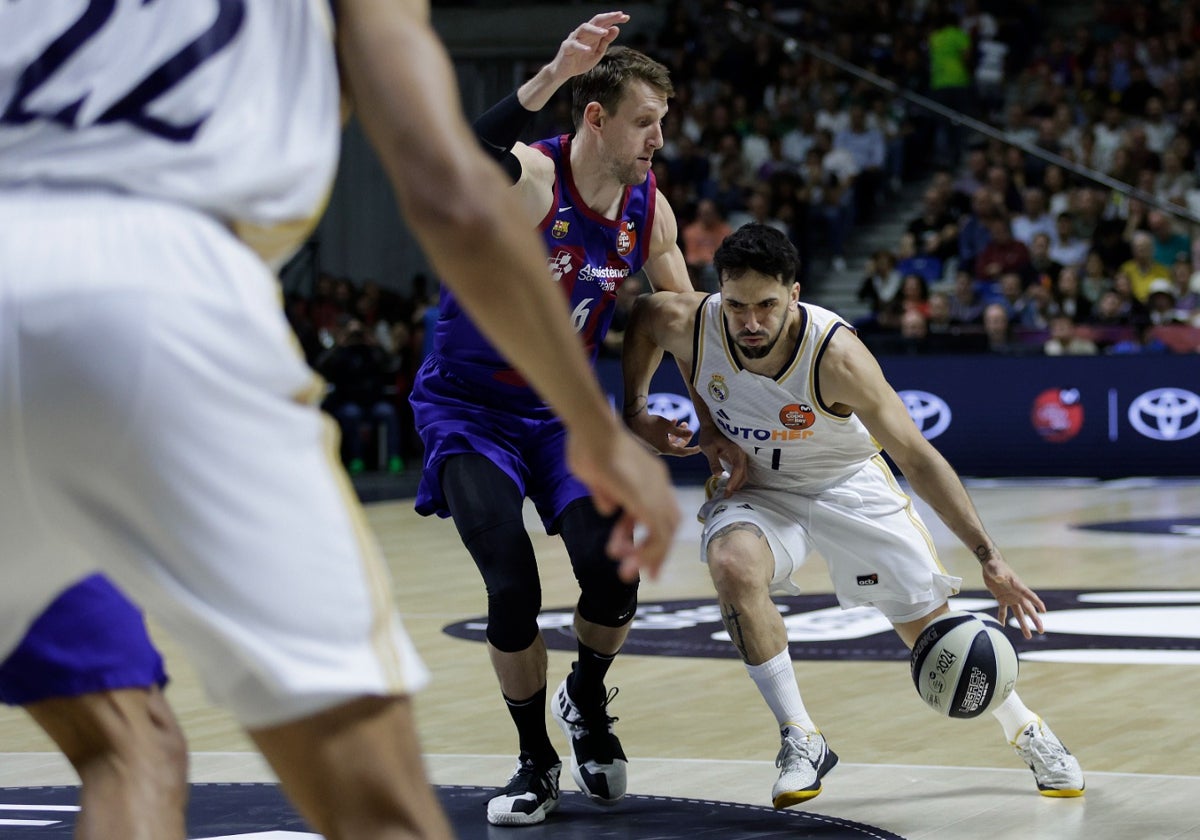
[{"x": 1123, "y": 699}]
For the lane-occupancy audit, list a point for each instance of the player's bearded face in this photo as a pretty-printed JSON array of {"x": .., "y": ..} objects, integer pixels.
[
  {"x": 756, "y": 311},
  {"x": 630, "y": 159},
  {"x": 758, "y": 342},
  {"x": 626, "y": 171}
]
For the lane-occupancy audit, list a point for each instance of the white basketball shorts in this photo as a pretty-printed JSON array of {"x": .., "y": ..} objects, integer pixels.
[
  {"x": 157, "y": 423},
  {"x": 878, "y": 550}
]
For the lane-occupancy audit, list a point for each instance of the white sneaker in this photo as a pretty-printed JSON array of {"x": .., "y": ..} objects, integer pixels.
[
  {"x": 529, "y": 796},
  {"x": 598, "y": 763},
  {"x": 804, "y": 758},
  {"x": 1057, "y": 771}
]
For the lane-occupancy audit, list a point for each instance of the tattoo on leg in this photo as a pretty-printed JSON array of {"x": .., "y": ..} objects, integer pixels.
[
  {"x": 729, "y": 617},
  {"x": 737, "y": 526}
]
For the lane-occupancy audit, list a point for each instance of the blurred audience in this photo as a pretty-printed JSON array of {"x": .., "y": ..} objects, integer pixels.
[
  {"x": 360, "y": 376},
  {"x": 1007, "y": 253},
  {"x": 1064, "y": 340}
]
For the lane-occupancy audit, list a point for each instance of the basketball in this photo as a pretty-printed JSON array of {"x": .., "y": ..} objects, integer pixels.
[{"x": 963, "y": 665}]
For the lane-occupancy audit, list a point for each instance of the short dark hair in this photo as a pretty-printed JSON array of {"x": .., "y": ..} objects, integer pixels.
[
  {"x": 757, "y": 247},
  {"x": 607, "y": 82}
]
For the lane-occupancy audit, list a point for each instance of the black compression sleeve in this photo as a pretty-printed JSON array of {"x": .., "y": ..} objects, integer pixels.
[{"x": 499, "y": 128}]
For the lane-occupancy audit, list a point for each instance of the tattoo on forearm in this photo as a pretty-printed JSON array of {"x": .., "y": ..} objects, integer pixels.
[
  {"x": 729, "y": 617},
  {"x": 738, "y": 526},
  {"x": 984, "y": 552}
]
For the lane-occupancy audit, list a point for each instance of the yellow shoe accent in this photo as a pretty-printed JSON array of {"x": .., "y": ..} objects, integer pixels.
[{"x": 787, "y": 800}]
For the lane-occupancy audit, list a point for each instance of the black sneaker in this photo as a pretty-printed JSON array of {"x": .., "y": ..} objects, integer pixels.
[
  {"x": 529, "y": 796},
  {"x": 597, "y": 760}
]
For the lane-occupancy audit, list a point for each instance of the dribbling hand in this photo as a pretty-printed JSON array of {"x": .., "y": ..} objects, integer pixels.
[
  {"x": 1013, "y": 596},
  {"x": 665, "y": 436}
]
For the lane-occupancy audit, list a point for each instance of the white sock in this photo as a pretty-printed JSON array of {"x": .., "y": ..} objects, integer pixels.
[
  {"x": 776, "y": 682},
  {"x": 1013, "y": 715}
]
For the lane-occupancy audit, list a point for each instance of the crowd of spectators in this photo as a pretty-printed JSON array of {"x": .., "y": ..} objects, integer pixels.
[
  {"x": 1007, "y": 254},
  {"x": 752, "y": 134},
  {"x": 367, "y": 342},
  {"x": 758, "y": 133},
  {"x": 1014, "y": 254}
]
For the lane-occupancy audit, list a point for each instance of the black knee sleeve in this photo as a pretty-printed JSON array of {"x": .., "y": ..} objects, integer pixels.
[
  {"x": 604, "y": 598},
  {"x": 486, "y": 507}
]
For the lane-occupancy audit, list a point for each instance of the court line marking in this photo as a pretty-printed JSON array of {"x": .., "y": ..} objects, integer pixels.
[
  {"x": 749, "y": 762},
  {"x": 202, "y": 755}
]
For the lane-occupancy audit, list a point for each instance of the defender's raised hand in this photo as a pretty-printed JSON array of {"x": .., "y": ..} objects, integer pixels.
[{"x": 586, "y": 44}]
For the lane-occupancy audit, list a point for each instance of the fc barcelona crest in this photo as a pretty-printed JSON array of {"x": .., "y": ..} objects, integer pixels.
[{"x": 560, "y": 228}]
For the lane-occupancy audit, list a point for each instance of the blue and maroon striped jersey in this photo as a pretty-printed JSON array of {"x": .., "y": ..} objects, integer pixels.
[{"x": 589, "y": 257}]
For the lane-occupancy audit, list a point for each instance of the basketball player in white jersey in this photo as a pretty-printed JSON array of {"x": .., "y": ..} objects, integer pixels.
[
  {"x": 791, "y": 384},
  {"x": 156, "y": 417}
]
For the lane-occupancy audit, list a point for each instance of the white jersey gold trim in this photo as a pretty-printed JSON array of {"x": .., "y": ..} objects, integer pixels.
[{"x": 792, "y": 441}]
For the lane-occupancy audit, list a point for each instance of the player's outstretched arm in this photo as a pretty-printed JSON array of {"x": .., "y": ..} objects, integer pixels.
[
  {"x": 667, "y": 271},
  {"x": 578, "y": 53},
  {"x": 658, "y": 322},
  {"x": 851, "y": 377},
  {"x": 499, "y": 129}
]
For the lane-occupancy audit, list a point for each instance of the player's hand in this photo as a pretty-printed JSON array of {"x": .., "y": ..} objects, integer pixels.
[
  {"x": 1013, "y": 596},
  {"x": 664, "y": 435},
  {"x": 623, "y": 476},
  {"x": 586, "y": 45},
  {"x": 724, "y": 457}
]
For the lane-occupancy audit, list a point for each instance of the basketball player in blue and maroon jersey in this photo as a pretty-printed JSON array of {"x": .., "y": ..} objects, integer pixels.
[{"x": 490, "y": 441}]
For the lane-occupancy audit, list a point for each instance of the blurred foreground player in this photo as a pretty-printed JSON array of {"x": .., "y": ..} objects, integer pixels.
[{"x": 153, "y": 405}]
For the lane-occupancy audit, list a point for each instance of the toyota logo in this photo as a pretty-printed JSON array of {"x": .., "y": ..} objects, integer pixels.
[
  {"x": 928, "y": 411},
  {"x": 673, "y": 407},
  {"x": 1166, "y": 414}
]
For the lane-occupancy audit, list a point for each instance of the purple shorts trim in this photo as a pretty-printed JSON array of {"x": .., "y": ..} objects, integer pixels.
[{"x": 91, "y": 638}]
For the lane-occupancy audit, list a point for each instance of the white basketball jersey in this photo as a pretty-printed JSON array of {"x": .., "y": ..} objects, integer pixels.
[
  {"x": 227, "y": 106},
  {"x": 792, "y": 440}
]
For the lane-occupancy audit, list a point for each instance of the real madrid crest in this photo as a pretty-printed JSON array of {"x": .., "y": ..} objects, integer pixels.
[
  {"x": 560, "y": 228},
  {"x": 717, "y": 389}
]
